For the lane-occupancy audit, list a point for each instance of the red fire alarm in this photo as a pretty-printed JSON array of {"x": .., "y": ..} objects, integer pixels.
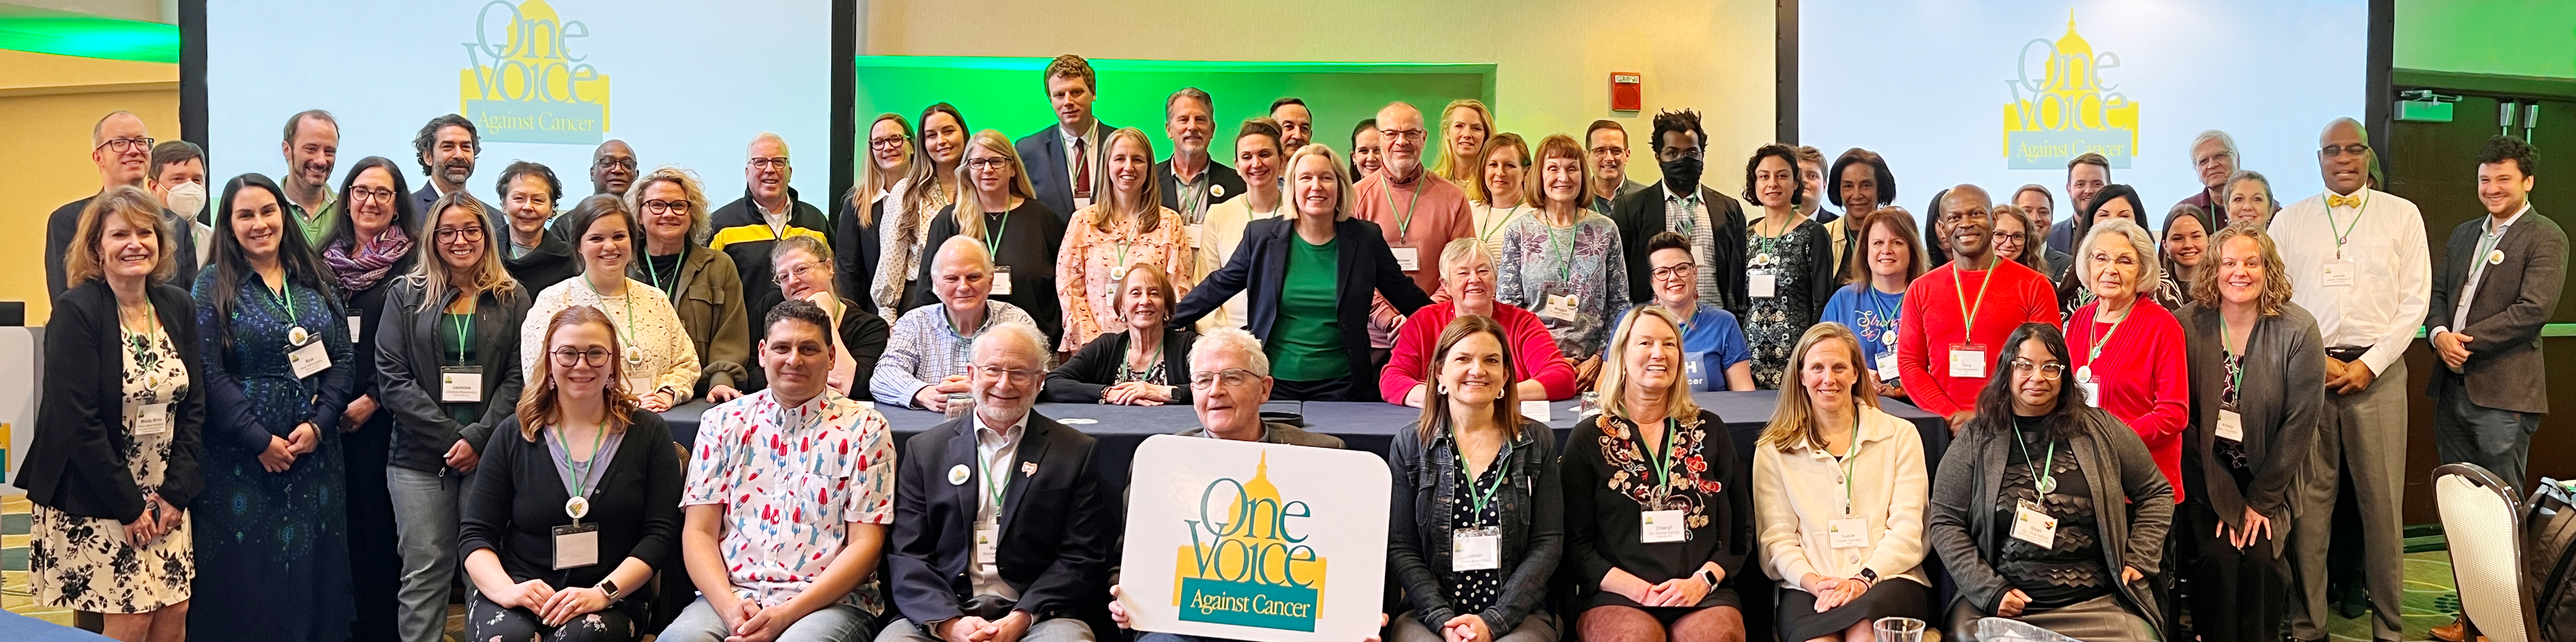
[{"x": 1624, "y": 89}]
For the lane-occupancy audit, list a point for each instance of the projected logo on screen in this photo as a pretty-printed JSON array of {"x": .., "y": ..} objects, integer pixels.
[
  {"x": 1249, "y": 569},
  {"x": 2067, "y": 111},
  {"x": 531, "y": 87}
]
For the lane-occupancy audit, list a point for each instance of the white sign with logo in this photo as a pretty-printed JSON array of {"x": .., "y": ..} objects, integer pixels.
[{"x": 1254, "y": 541}]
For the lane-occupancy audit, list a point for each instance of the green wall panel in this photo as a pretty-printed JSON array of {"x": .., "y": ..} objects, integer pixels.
[{"x": 2507, "y": 37}]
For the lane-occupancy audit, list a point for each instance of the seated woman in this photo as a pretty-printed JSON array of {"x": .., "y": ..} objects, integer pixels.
[
  {"x": 1658, "y": 516},
  {"x": 1714, "y": 356},
  {"x": 807, "y": 272},
  {"x": 1474, "y": 542},
  {"x": 1540, "y": 372},
  {"x": 579, "y": 452},
  {"x": 1840, "y": 486},
  {"x": 2040, "y": 497},
  {"x": 1145, "y": 365}
]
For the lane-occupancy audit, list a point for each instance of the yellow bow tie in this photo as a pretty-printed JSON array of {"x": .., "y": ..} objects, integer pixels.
[{"x": 2337, "y": 200}]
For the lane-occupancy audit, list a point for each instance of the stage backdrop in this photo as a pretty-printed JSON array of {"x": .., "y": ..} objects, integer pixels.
[
  {"x": 544, "y": 80},
  {"x": 1254, "y": 541},
  {"x": 2000, "y": 93}
]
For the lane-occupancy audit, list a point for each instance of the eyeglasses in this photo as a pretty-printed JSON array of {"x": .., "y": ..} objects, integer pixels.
[
  {"x": 2015, "y": 237},
  {"x": 987, "y": 163},
  {"x": 885, "y": 143},
  {"x": 2048, "y": 371},
  {"x": 126, "y": 145},
  {"x": 568, "y": 357},
  {"x": 795, "y": 272},
  {"x": 1231, "y": 377},
  {"x": 2331, "y": 151},
  {"x": 1675, "y": 271},
  {"x": 1613, "y": 152},
  {"x": 658, "y": 206},
  {"x": 375, "y": 194},
  {"x": 446, "y": 234},
  {"x": 1678, "y": 154},
  {"x": 779, "y": 162},
  {"x": 1014, "y": 376},
  {"x": 627, "y": 164},
  {"x": 2123, "y": 261},
  {"x": 1392, "y": 135}
]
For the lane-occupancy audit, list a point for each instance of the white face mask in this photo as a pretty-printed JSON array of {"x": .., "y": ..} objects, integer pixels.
[{"x": 186, "y": 198}]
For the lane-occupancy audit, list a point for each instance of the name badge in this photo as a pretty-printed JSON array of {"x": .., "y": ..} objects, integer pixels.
[
  {"x": 1537, "y": 409},
  {"x": 460, "y": 384},
  {"x": 1660, "y": 526},
  {"x": 2231, "y": 426},
  {"x": 1968, "y": 360},
  {"x": 988, "y": 545},
  {"x": 1001, "y": 280},
  {"x": 1080, "y": 202},
  {"x": 309, "y": 359},
  {"x": 1886, "y": 365},
  {"x": 576, "y": 545},
  {"x": 2030, "y": 524},
  {"x": 1762, "y": 283},
  {"x": 2339, "y": 272},
  {"x": 1476, "y": 549},
  {"x": 1193, "y": 231},
  {"x": 2092, "y": 392},
  {"x": 1847, "y": 533},
  {"x": 1407, "y": 258},
  {"x": 354, "y": 324},
  {"x": 1560, "y": 307},
  {"x": 151, "y": 419}
]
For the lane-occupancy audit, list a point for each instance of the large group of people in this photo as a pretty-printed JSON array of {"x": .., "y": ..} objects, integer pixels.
[{"x": 276, "y": 411}]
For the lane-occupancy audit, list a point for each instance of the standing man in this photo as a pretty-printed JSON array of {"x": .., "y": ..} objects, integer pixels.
[
  {"x": 1001, "y": 533},
  {"x": 1419, "y": 212},
  {"x": 178, "y": 180},
  {"x": 1811, "y": 201},
  {"x": 2038, "y": 204},
  {"x": 312, "y": 147},
  {"x": 1957, "y": 317},
  {"x": 1065, "y": 161},
  {"x": 1296, "y": 123},
  {"x": 1607, "y": 143},
  {"x": 2499, "y": 283},
  {"x": 446, "y": 147},
  {"x": 122, "y": 150},
  {"x": 2356, "y": 260},
  {"x": 1191, "y": 180},
  {"x": 2085, "y": 176},
  {"x": 2213, "y": 158},
  {"x": 767, "y": 213},
  {"x": 612, "y": 170},
  {"x": 1713, "y": 222}
]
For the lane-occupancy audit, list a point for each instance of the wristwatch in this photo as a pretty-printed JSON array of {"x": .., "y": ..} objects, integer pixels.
[
  {"x": 1870, "y": 574},
  {"x": 609, "y": 588},
  {"x": 1705, "y": 577}
]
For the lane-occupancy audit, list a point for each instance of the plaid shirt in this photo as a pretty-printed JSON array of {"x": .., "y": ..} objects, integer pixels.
[{"x": 925, "y": 348}]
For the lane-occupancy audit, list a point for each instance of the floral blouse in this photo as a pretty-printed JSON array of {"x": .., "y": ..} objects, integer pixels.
[
  {"x": 1610, "y": 481},
  {"x": 1091, "y": 260},
  {"x": 1539, "y": 260}
]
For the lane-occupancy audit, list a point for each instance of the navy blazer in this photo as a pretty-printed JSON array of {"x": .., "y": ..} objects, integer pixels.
[
  {"x": 1260, "y": 264},
  {"x": 1042, "y": 156},
  {"x": 73, "y": 464},
  {"x": 1057, "y": 526}
]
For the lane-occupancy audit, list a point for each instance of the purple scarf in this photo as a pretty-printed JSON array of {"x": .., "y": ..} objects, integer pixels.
[{"x": 373, "y": 260}]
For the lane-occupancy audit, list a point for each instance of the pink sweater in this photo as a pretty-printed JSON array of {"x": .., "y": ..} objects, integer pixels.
[{"x": 1534, "y": 354}]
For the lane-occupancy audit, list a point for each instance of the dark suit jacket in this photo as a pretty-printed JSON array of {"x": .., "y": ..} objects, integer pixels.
[
  {"x": 1640, "y": 216},
  {"x": 1057, "y": 526},
  {"x": 428, "y": 195},
  {"x": 1226, "y": 183},
  {"x": 408, "y": 356},
  {"x": 2514, "y": 298},
  {"x": 1260, "y": 265},
  {"x": 65, "y": 221},
  {"x": 855, "y": 252},
  {"x": 73, "y": 464},
  {"x": 2281, "y": 400},
  {"x": 1042, "y": 155}
]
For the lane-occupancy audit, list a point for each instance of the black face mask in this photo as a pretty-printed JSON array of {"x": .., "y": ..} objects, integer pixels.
[{"x": 1681, "y": 175}]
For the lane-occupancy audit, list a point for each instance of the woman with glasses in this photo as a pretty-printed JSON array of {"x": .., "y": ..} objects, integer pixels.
[
  {"x": 805, "y": 267},
  {"x": 2257, "y": 388},
  {"x": 1872, "y": 305},
  {"x": 657, "y": 366},
  {"x": 2115, "y": 201},
  {"x": 1841, "y": 487},
  {"x": 1464, "y": 127},
  {"x": 1478, "y": 522},
  {"x": 367, "y": 247},
  {"x": 700, "y": 285},
  {"x": 930, "y": 184},
  {"x": 1110, "y": 237},
  {"x": 855, "y": 237},
  {"x": 1658, "y": 509},
  {"x": 996, "y": 205},
  {"x": 449, "y": 360},
  {"x": 2012, "y": 240},
  {"x": 1563, "y": 261},
  {"x": 2046, "y": 510},
  {"x": 1788, "y": 268},
  {"x": 2128, "y": 356},
  {"x": 1539, "y": 370},
  {"x": 1141, "y": 366}
]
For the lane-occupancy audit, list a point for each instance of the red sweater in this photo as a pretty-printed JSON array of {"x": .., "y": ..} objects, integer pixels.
[
  {"x": 2145, "y": 382},
  {"x": 1534, "y": 353},
  {"x": 1931, "y": 322}
]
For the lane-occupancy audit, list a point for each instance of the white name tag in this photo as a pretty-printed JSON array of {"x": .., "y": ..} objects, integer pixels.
[
  {"x": 1193, "y": 231},
  {"x": 1968, "y": 361},
  {"x": 1847, "y": 533},
  {"x": 2092, "y": 392},
  {"x": 2030, "y": 524},
  {"x": 1537, "y": 409},
  {"x": 309, "y": 359},
  {"x": 1407, "y": 258},
  {"x": 2339, "y": 272},
  {"x": 460, "y": 384},
  {"x": 988, "y": 545},
  {"x": 1762, "y": 283},
  {"x": 1001, "y": 280},
  {"x": 152, "y": 419},
  {"x": 354, "y": 324},
  {"x": 1560, "y": 307},
  {"x": 576, "y": 545},
  {"x": 2231, "y": 426},
  {"x": 1476, "y": 549},
  {"x": 1886, "y": 365},
  {"x": 1660, "y": 526}
]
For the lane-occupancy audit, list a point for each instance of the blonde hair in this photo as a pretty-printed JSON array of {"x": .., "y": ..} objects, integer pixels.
[
  {"x": 1476, "y": 188},
  {"x": 2276, "y": 285},
  {"x": 872, "y": 180},
  {"x": 1793, "y": 419},
  {"x": 537, "y": 407},
  {"x": 1149, "y": 199},
  {"x": 489, "y": 274},
  {"x": 1341, "y": 174},
  {"x": 83, "y": 262},
  {"x": 1614, "y": 368},
  {"x": 1460, "y": 170},
  {"x": 969, "y": 208},
  {"x": 700, "y": 227}
]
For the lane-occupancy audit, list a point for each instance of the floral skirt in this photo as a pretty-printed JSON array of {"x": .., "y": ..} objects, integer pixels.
[{"x": 84, "y": 563}]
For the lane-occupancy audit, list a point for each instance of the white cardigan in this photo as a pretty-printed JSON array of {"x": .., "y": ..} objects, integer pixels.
[
  {"x": 1796, "y": 495},
  {"x": 670, "y": 360}
]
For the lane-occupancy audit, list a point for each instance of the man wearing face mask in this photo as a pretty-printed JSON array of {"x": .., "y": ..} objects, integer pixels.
[
  {"x": 122, "y": 150},
  {"x": 312, "y": 148},
  {"x": 178, "y": 180},
  {"x": 446, "y": 148},
  {"x": 1682, "y": 205}
]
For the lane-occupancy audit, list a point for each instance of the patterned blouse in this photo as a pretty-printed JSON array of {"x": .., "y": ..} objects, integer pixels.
[
  {"x": 791, "y": 481},
  {"x": 1539, "y": 260},
  {"x": 1773, "y": 324},
  {"x": 1090, "y": 261},
  {"x": 902, "y": 246},
  {"x": 659, "y": 354}
]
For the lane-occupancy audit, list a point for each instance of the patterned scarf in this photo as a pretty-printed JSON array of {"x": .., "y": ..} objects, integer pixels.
[{"x": 373, "y": 260}]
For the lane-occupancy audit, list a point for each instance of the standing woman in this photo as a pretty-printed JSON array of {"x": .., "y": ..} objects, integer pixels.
[
  {"x": 2184, "y": 251},
  {"x": 855, "y": 238},
  {"x": 1564, "y": 262},
  {"x": 2128, "y": 357},
  {"x": 1658, "y": 513},
  {"x": 1496, "y": 198},
  {"x": 1129, "y": 228},
  {"x": 2012, "y": 237},
  {"x": 1464, "y": 126},
  {"x": 1145, "y": 365},
  {"x": 2249, "y": 198},
  {"x": 657, "y": 364},
  {"x": 113, "y": 466},
  {"x": 1888, "y": 260},
  {"x": 2114, "y": 201},
  {"x": 578, "y": 451},
  {"x": 367, "y": 250},
  {"x": 1788, "y": 268},
  {"x": 1310, "y": 280},
  {"x": 1477, "y": 522},
  {"x": 1258, "y": 156},
  {"x": 273, "y": 560},
  {"x": 448, "y": 351},
  {"x": 996, "y": 205},
  {"x": 1841, "y": 487},
  {"x": 1860, "y": 182},
  {"x": 805, "y": 267},
  {"x": 703, "y": 286},
  {"x": 908, "y": 206},
  {"x": 2257, "y": 389}
]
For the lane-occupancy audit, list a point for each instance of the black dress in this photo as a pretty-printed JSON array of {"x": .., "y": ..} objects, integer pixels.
[{"x": 1609, "y": 482}]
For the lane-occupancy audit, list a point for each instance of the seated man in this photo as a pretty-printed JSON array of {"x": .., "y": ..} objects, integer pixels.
[
  {"x": 822, "y": 461},
  {"x": 1229, "y": 380},
  {"x": 926, "y": 356},
  {"x": 1715, "y": 355},
  {"x": 1001, "y": 534}
]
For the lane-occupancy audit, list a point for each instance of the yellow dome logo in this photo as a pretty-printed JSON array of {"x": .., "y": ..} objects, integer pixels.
[
  {"x": 2068, "y": 111},
  {"x": 532, "y": 86},
  {"x": 1246, "y": 565}
]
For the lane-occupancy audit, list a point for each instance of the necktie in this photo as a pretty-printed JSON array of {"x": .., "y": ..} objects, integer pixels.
[
  {"x": 1081, "y": 171},
  {"x": 2339, "y": 200}
]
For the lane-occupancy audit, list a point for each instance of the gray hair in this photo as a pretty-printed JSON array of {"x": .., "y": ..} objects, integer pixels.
[
  {"x": 2149, "y": 272},
  {"x": 1015, "y": 331},
  {"x": 2224, "y": 141},
  {"x": 1192, "y": 93},
  {"x": 1235, "y": 339},
  {"x": 971, "y": 248},
  {"x": 767, "y": 136}
]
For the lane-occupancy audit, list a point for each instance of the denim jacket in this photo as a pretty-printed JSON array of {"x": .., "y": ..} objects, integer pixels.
[{"x": 1532, "y": 510}]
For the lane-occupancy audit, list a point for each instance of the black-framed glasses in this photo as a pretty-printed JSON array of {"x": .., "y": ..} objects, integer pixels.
[
  {"x": 1229, "y": 376},
  {"x": 658, "y": 206},
  {"x": 778, "y": 162},
  {"x": 2049, "y": 371},
  {"x": 885, "y": 143},
  {"x": 2346, "y": 150},
  {"x": 568, "y": 357},
  {"x": 126, "y": 145},
  {"x": 994, "y": 162},
  {"x": 1676, "y": 271},
  {"x": 372, "y": 194},
  {"x": 474, "y": 233},
  {"x": 627, "y": 164}
]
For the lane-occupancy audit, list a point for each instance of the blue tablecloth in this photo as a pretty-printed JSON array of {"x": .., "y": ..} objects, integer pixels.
[{"x": 20, "y": 628}]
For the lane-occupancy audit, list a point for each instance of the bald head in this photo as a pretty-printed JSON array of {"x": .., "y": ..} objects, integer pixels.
[
  {"x": 1966, "y": 196},
  {"x": 2343, "y": 156},
  {"x": 961, "y": 275},
  {"x": 612, "y": 167},
  {"x": 1968, "y": 222},
  {"x": 1400, "y": 125}
]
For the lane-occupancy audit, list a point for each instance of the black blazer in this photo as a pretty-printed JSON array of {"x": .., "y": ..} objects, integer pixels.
[
  {"x": 516, "y": 500},
  {"x": 2281, "y": 400},
  {"x": 1080, "y": 379},
  {"x": 1226, "y": 182},
  {"x": 73, "y": 464},
  {"x": 1820, "y": 273},
  {"x": 550, "y": 262},
  {"x": 2514, "y": 299},
  {"x": 408, "y": 356},
  {"x": 1042, "y": 154},
  {"x": 1057, "y": 524},
  {"x": 1640, "y": 216},
  {"x": 855, "y": 252},
  {"x": 1260, "y": 264}
]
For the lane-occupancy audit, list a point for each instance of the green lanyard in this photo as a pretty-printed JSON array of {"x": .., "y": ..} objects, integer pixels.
[
  {"x": 995, "y": 489},
  {"x": 993, "y": 238},
  {"x": 623, "y": 333},
  {"x": 1481, "y": 494},
  {"x": 1564, "y": 252},
  {"x": 141, "y": 342},
  {"x": 1404, "y": 226},
  {"x": 1851, "y": 455},
  {"x": 2235, "y": 380},
  {"x": 581, "y": 472},
  {"x": 284, "y": 297},
  {"x": 1660, "y": 459},
  {"x": 2093, "y": 345},
  {"x": 464, "y": 330},
  {"x": 2346, "y": 231},
  {"x": 2041, "y": 475},
  {"x": 656, "y": 275}
]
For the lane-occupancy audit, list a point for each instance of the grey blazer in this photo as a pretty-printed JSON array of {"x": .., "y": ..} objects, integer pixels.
[
  {"x": 2281, "y": 400},
  {"x": 2133, "y": 507},
  {"x": 1278, "y": 433},
  {"x": 2514, "y": 298}
]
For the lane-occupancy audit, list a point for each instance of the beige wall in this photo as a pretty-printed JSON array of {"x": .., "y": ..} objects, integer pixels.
[
  {"x": 50, "y": 102},
  {"x": 1552, "y": 58}
]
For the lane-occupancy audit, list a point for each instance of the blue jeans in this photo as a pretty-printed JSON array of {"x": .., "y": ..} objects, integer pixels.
[
  {"x": 1062, "y": 629},
  {"x": 2497, "y": 440},
  {"x": 427, "y": 507},
  {"x": 835, "y": 623}
]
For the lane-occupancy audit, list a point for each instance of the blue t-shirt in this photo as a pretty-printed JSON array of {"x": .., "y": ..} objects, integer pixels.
[
  {"x": 1869, "y": 313},
  {"x": 1712, "y": 335}
]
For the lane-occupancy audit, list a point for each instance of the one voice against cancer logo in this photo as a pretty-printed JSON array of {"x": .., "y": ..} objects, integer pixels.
[
  {"x": 531, "y": 86},
  {"x": 2068, "y": 111},
  {"x": 1246, "y": 565}
]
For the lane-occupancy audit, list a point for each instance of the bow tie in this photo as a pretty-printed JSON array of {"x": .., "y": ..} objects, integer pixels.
[{"x": 2338, "y": 200}]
